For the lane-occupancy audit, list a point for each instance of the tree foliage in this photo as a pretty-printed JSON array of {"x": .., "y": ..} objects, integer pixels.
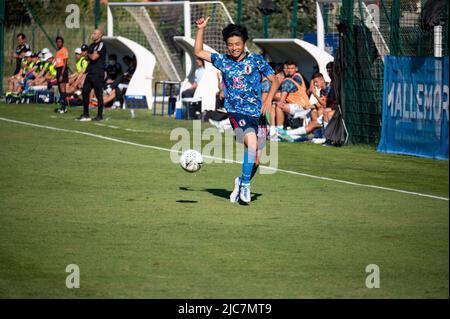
[{"x": 279, "y": 22}]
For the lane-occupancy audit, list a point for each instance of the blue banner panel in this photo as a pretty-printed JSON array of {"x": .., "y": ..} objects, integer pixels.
[{"x": 415, "y": 107}]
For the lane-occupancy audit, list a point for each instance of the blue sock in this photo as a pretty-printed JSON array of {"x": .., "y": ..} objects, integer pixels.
[
  {"x": 25, "y": 82},
  {"x": 247, "y": 166}
]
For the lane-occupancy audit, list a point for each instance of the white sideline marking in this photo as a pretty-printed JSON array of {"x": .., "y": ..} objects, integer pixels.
[{"x": 222, "y": 159}]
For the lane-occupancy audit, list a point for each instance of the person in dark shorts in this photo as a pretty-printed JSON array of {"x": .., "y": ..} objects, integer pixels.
[
  {"x": 242, "y": 73},
  {"x": 95, "y": 78},
  {"x": 113, "y": 69},
  {"x": 62, "y": 72}
]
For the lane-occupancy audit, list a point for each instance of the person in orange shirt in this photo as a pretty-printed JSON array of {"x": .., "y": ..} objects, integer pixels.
[{"x": 62, "y": 72}]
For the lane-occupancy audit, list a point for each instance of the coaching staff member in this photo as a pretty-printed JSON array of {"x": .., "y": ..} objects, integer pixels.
[
  {"x": 62, "y": 72},
  {"x": 22, "y": 47},
  {"x": 95, "y": 78}
]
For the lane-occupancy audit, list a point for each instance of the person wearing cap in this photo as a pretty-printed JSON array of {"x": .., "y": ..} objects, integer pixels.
[
  {"x": 82, "y": 62},
  {"x": 19, "y": 54},
  {"x": 84, "y": 48},
  {"x": 42, "y": 69},
  {"x": 33, "y": 72},
  {"x": 13, "y": 81},
  {"x": 78, "y": 64},
  {"x": 76, "y": 80},
  {"x": 95, "y": 78},
  {"x": 51, "y": 75},
  {"x": 27, "y": 68}
]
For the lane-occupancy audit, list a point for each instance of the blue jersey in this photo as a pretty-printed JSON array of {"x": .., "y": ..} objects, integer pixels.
[
  {"x": 243, "y": 82},
  {"x": 265, "y": 86},
  {"x": 288, "y": 86}
]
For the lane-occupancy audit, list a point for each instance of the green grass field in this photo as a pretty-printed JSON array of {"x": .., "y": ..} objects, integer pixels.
[{"x": 138, "y": 226}]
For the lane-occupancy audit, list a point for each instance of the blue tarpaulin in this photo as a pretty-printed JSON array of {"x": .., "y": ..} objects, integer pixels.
[{"x": 415, "y": 107}]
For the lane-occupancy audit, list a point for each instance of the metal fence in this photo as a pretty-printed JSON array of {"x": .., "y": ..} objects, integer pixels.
[
  {"x": 42, "y": 21},
  {"x": 370, "y": 30},
  {"x": 367, "y": 30}
]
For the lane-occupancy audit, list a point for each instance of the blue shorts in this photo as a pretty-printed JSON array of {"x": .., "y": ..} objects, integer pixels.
[{"x": 244, "y": 124}]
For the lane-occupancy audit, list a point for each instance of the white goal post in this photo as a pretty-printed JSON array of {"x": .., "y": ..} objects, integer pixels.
[{"x": 155, "y": 24}]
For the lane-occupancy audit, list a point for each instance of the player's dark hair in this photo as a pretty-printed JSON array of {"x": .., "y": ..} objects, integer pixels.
[
  {"x": 330, "y": 65},
  {"x": 59, "y": 38},
  {"x": 21, "y": 35},
  {"x": 290, "y": 62},
  {"x": 279, "y": 67},
  {"x": 234, "y": 30},
  {"x": 317, "y": 75},
  {"x": 113, "y": 57}
]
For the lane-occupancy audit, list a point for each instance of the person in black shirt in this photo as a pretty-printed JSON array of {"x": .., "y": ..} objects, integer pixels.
[
  {"x": 113, "y": 69},
  {"x": 95, "y": 78},
  {"x": 22, "y": 47}
]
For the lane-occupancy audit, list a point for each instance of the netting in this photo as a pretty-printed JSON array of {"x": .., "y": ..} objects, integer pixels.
[
  {"x": 42, "y": 21},
  {"x": 291, "y": 20},
  {"x": 154, "y": 26},
  {"x": 331, "y": 13},
  {"x": 372, "y": 29}
]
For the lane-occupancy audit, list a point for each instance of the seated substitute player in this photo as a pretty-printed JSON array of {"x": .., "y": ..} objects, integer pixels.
[
  {"x": 113, "y": 69},
  {"x": 318, "y": 100},
  {"x": 189, "y": 93},
  {"x": 294, "y": 99},
  {"x": 51, "y": 75},
  {"x": 266, "y": 84},
  {"x": 34, "y": 72},
  {"x": 40, "y": 72},
  {"x": 81, "y": 64},
  {"x": 76, "y": 80},
  {"x": 242, "y": 72},
  {"x": 14, "y": 81},
  {"x": 115, "y": 91},
  {"x": 331, "y": 95}
]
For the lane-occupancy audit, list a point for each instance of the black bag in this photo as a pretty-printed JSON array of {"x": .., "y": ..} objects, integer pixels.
[
  {"x": 293, "y": 123},
  {"x": 172, "y": 104},
  {"x": 215, "y": 116},
  {"x": 335, "y": 131},
  {"x": 194, "y": 111}
]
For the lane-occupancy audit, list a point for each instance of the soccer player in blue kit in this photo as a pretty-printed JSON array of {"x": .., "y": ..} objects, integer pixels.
[{"x": 242, "y": 73}]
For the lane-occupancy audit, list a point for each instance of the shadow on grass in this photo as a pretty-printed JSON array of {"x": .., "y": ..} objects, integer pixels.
[
  {"x": 187, "y": 201},
  {"x": 219, "y": 192},
  {"x": 226, "y": 194}
]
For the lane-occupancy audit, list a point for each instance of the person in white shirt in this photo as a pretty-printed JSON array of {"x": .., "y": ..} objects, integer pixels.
[{"x": 189, "y": 93}]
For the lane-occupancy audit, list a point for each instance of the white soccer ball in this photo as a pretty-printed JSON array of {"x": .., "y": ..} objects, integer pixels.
[{"x": 191, "y": 161}]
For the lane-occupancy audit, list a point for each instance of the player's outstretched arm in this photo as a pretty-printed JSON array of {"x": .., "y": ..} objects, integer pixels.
[{"x": 198, "y": 47}]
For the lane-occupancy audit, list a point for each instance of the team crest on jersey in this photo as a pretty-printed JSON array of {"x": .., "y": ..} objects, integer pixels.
[
  {"x": 242, "y": 123},
  {"x": 248, "y": 69}
]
